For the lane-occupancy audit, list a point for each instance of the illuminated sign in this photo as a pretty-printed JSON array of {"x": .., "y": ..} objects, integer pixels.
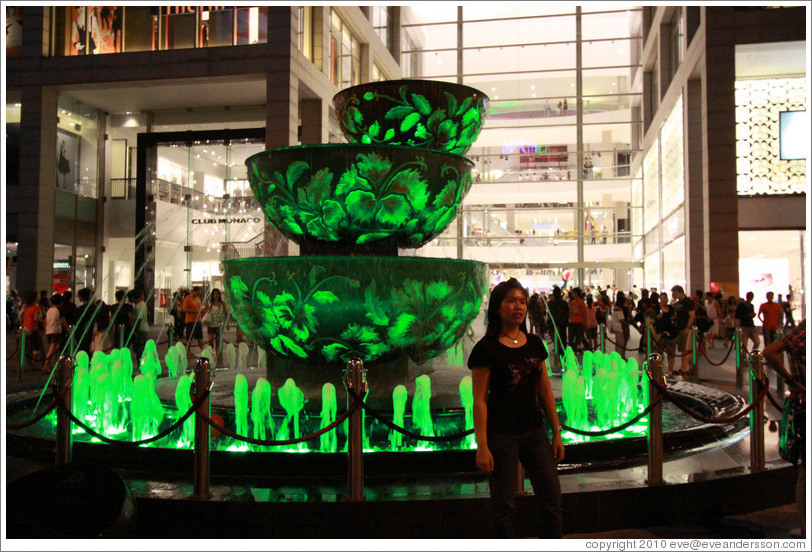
[{"x": 225, "y": 220}]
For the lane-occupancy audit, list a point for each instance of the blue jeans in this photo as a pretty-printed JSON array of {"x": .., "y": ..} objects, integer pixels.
[{"x": 536, "y": 454}]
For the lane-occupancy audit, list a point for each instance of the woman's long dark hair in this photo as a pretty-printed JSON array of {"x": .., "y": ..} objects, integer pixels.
[{"x": 498, "y": 294}]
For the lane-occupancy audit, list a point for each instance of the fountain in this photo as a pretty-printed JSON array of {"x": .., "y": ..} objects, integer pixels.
[{"x": 350, "y": 207}]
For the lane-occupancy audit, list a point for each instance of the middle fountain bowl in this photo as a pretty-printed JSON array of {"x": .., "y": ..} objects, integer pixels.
[
  {"x": 359, "y": 199},
  {"x": 326, "y": 310}
]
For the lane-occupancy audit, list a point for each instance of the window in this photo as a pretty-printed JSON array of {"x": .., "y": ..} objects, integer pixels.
[
  {"x": 86, "y": 30},
  {"x": 345, "y": 54},
  {"x": 380, "y": 22},
  {"x": 305, "y": 31}
]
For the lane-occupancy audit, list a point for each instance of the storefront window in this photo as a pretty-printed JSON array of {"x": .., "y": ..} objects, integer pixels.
[
  {"x": 76, "y": 147},
  {"x": 651, "y": 187},
  {"x": 774, "y": 260},
  {"x": 14, "y": 31},
  {"x": 203, "y": 204},
  {"x": 84, "y": 30},
  {"x": 673, "y": 179},
  {"x": 674, "y": 273}
]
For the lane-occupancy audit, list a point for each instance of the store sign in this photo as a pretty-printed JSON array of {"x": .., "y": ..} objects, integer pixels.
[
  {"x": 225, "y": 220},
  {"x": 180, "y": 10}
]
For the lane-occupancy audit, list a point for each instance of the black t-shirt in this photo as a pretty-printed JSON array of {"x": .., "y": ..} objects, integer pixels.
[
  {"x": 515, "y": 374},
  {"x": 560, "y": 312},
  {"x": 682, "y": 310},
  {"x": 745, "y": 312}
]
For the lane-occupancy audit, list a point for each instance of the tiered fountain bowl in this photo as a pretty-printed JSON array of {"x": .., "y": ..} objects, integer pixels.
[{"x": 350, "y": 207}]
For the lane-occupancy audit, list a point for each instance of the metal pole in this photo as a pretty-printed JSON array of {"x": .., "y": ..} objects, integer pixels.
[
  {"x": 355, "y": 378},
  {"x": 64, "y": 437},
  {"x": 757, "y": 413},
  {"x": 779, "y": 379},
  {"x": 22, "y": 355},
  {"x": 202, "y": 433},
  {"x": 737, "y": 339},
  {"x": 121, "y": 336},
  {"x": 648, "y": 340},
  {"x": 655, "y": 424},
  {"x": 694, "y": 375},
  {"x": 220, "y": 344},
  {"x": 603, "y": 337},
  {"x": 71, "y": 342},
  {"x": 171, "y": 333}
]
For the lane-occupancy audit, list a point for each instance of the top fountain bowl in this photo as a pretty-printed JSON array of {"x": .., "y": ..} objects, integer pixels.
[{"x": 437, "y": 115}]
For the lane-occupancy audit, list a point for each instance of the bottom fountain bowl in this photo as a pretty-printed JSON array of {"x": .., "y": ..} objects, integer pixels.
[{"x": 327, "y": 310}]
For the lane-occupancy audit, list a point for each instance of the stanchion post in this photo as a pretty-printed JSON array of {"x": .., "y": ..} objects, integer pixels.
[
  {"x": 71, "y": 343},
  {"x": 603, "y": 337},
  {"x": 64, "y": 433},
  {"x": 201, "y": 472},
  {"x": 220, "y": 344},
  {"x": 737, "y": 339},
  {"x": 694, "y": 331},
  {"x": 757, "y": 413},
  {"x": 355, "y": 379},
  {"x": 779, "y": 379},
  {"x": 655, "y": 423},
  {"x": 171, "y": 334},
  {"x": 648, "y": 341},
  {"x": 22, "y": 355},
  {"x": 121, "y": 336}
]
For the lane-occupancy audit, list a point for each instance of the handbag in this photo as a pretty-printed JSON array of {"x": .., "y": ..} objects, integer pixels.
[{"x": 791, "y": 429}]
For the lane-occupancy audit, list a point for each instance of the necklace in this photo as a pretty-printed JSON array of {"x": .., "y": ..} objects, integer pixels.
[{"x": 515, "y": 340}]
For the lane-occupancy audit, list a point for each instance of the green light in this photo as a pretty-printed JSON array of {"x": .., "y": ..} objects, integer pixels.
[
  {"x": 379, "y": 193},
  {"x": 330, "y": 309},
  {"x": 436, "y": 115}
]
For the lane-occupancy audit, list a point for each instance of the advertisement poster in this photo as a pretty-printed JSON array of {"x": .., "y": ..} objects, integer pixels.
[{"x": 761, "y": 276}]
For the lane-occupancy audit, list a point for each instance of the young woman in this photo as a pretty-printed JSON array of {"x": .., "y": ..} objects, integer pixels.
[
  {"x": 214, "y": 316},
  {"x": 510, "y": 382}
]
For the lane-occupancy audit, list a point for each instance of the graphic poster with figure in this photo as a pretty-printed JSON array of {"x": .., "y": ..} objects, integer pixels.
[
  {"x": 67, "y": 159},
  {"x": 761, "y": 276}
]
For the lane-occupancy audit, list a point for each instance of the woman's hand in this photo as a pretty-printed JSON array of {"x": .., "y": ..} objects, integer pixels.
[
  {"x": 558, "y": 447},
  {"x": 484, "y": 459}
]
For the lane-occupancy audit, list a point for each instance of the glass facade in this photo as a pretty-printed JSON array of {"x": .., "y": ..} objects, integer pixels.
[{"x": 546, "y": 198}]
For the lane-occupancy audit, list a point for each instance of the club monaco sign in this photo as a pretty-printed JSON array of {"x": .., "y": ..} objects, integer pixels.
[{"x": 225, "y": 220}]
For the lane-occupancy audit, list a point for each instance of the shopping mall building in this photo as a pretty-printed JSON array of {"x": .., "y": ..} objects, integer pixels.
[{"x": 646, "y": 146}]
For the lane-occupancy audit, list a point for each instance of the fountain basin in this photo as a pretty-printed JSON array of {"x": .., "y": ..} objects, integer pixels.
[
  {"x": 330, "y": 309},
  {"x": 431, "y": 114},
  {"x": 342, "y": 198}
]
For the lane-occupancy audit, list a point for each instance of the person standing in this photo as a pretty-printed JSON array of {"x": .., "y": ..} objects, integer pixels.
[
  {"x": 794, "y": 343},
  {"x": 745, "y": 314},
  {"x": 214, "y": 316},
  {"x": 194, "y": 330},
  {"x": 83, "y": 330},
  {"x": 666, "y": 333},
  {"x": 140, "y": 323},
  {"x": 54, "y": 326},
  {"x": 67, "y": 309},
  {"x": 510, "y": 379},
  {"x": 122, "y": 320},
  {"x": 789, "y": 320},
  {"x": 768, "y": 314},
  {"x": 577, "y": 320},
  {"x": 591, "y": 325},
  {"x": 620, "y": 324},
  {"x": 560, "y": 313},
  {"x": 33, "y": 326},
  {"x": 684, "y": 317}
]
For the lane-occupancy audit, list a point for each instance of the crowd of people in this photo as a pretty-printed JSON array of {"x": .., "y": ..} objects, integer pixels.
[
  {"x": 572, "y": 317},
  {"x": 49, "y": 321}
]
